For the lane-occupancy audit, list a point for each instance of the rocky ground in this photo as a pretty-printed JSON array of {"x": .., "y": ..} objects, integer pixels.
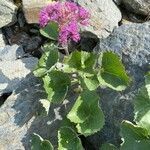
[{"x": 121, "y": 26}]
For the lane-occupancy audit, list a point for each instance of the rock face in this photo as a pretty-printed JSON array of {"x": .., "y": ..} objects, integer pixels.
[
  {"x": 32, "y": 8},
  {"x": 138, "y": 6},
  {"x": 132, "y": 43},
  {"x": 12, "y": 69},
  {"x": 7, "y": 13},
  {"x": 104, "y": 17},
  {"x": 17, "y": 116}
]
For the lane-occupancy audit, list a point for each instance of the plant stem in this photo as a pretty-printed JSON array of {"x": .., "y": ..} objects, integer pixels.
[{"x": 66, "y": 50}]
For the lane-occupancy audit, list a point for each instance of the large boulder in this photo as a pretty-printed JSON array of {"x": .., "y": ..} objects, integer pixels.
[
  {"x": 132, "y": 43},
  {"x": 7, "y": 13},
  {"x": 14, "y": 68},
  {"x": 138, "y": 6},
  {"x": 18, "y": 119},
  {"x": 104, "y": 17}
]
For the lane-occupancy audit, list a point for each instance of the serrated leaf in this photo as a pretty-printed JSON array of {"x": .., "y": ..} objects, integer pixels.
[
  {"x": 88, "y": 60},
  {"x": 68, "y": 139},
  {"x": 56, "y": 85},
  {"x": 108, "y": 146},
  {"x": 48, "y": 59},
  {"x": 142, "y": 106},
  {"x": 87, "y": 113},
  {"x": 39, "y": 72},
  {"x": 38, "y": 143},
  {"x": 79, "y": 112},
  {"x": 112, "y": 72},
  {"x": 67, "y": 123},
  {"x": 81, "y": 61},
  {"x": 91, "y": 82},
  {"x": 51, "y": 31},
  {"x": 135, "y": 137}
]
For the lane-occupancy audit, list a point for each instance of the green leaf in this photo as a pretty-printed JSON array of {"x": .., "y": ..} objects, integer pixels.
[
  {"x": 147, "y": 83},
  {"x": 38, "y": 143},
  {"x": 81, "y": 61},
  {"x": 56, "y": 85},
  {"x": 142, "y": 106},
  {"x": 48, "y": 59},
  {"x": 113, "y": 72},
  {"x": 51, "y": 31},
  {"x": 91, "y": 82},
  {"x": 74, "y": 60},
  {"x": 135, "y": 137},
  {"x": 68, "y": 139},
  {"x": 88, "y": 60},
  {"x": 39, "y": 72},
  {"x": 87, "y": 113},
  {"x": 79, "y": 112},
  {"x": 108, "y": 146}
]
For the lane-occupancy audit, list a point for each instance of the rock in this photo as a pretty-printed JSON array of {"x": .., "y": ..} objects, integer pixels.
[
  {"x": 18, "y": 120},
  {"x": 7, "y": 13},
  {"x": 10, "y": 53},
  {"x": 31, "y": 9},
  {"x": 13, "y": 72},
  {"x": 104, "y": 17},
  {"x": 132, "y": 43},
  {"x": 2, "y": 40},
  {"x": 118, "y": 2},
  {"x": 138, "y": 6}
]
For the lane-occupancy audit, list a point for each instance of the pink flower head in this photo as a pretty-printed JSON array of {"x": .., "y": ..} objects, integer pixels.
[{"x": 69, "y": 17}]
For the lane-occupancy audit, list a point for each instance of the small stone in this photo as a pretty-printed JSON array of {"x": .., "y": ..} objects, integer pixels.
[{"x": 7, "y": 13}]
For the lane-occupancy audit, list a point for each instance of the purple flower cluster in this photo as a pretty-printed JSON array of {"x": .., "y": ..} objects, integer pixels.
[{"x": 69, "y": 17}]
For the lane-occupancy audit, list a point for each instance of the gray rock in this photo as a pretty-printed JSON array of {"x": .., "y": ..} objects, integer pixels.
[
  {"x": 13, "y": 72},
  {"x": 2, "y": 40},
  {"x": 18, "y": 118},
  {"x": 10, "y": 53},
  {"x": 104, "y": 17},
  {"x": 131, "y": 41},
  {"x": 7, "y": 13},
  {"x": 138, "y": 6}
]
